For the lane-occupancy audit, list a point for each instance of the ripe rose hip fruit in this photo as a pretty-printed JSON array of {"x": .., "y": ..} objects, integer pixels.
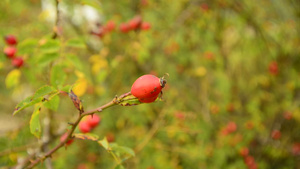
[
  {"x": 93, "y": 120},
  {"x": 84, "y": 127},
  {"x": 64, "y": 137},
  {"x": 145, "y": 26},
  {"x": 10, "y": 40},
  {"x": 147, "y": 88},
  {"x": 110, "y": 26},
  {"x": 10, "y": 51},
  {"x": 135, "y": 22},
  {"x": 124, "y": 27},
  {"x": 276, "y": 134},
  {"x": 17, "y": 62}
]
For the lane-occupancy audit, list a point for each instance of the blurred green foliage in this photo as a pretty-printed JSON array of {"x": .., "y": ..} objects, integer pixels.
[{"x": 234, "y": 79}]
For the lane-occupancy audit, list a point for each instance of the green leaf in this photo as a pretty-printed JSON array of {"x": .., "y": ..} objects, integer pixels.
[
  {"x": 26, "y": 103},
  {"x": 119, "y": 167},
  {"x": 122, "y": 151},
  {"x": 66, "y": 88},
  {"x": 35, "y": 126},
  {"x": 75, "y": 61},
  {"x": 104, "y": 143},
  {"x": 27, "y": 46},
  {"x": 58, "y": 76},
  {"x": 52, "y": 103},
  {"x": 50, "y": 46},
  {"x": 46, "y": 58},
  {"x": 13, "y": 78},
  {"x": 76, "y": 43},
  {"x": 43, "y": 91},
  {"x": 87, "y": 136}
]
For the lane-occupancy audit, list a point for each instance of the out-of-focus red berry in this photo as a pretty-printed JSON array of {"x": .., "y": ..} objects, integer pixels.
[
  {"x": 231, "y": 127},
  {"x": 244, "y": 151},
  {"x": 110, "y": 137},
  {"x": 110, "y": 26},
  {"x": 180, "y": 115},
  {"x": 82, "y": 166},
  {"x": 249, "y": 160},
  {"x": 273, "y": 68},
  {"x": 135, "y": 22},
  {"x": 204, "y": 7},
  {"x": 296, "y": 149},
  {"x": 288, "y": 115},
  {"x": 10, "y": 51},
  {"x": 17, "y": 62},
  {"x": 145, "y": 26},
  {"x": 124, "y": 27},
  {"x": 10, "y": 40},
  {"x": 64, "y": 137},
  {"x": 84, "y": 127},
  {"x": 276, "y": 134},
  {"x": 93, "y": 120}
]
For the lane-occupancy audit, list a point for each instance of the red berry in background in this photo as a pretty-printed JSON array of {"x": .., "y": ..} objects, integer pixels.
[
  {"x": 17, "y": 62},
  {"x": 110, "y": 26},
  {"x": 10, "y": 51},
  {"x": 244, "y": 151},
  {"x": 249, "y": 160},
  {"x": 124, "y": 27},
  {"x": 64, "y": 137},
  {"x": 276, "y": 134},
  {"x": 288, "y": 115},
  {"x": 204, "y": 7},
  {"x": 231, "y": 127},
  {"x": 110, "y": 137},
  {"x": 273, "y": 68},
  {"x": 180, "y": 115},
  {"x": 135, "y": 22},
  {"x": 147, "y": 88},
  {"x": 84, "y": 127},
  {"x": 10, "y": 40},
  {"x": 93, "y": 120},
  {"x": 82, "y": 166},
  {"x": 145, "y": 25},
  {"x": 296, "y": 149}
]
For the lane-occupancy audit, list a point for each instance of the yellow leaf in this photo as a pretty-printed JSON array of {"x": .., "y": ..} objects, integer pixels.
[
  {"x": 80, "y": 87},
  {"x": 200, "y": 71},
  {"x": 79, "y": 74},
  {"x": 13, "y": 78}
]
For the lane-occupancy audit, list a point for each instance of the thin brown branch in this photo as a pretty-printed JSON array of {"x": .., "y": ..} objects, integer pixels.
[
  {"x": 70, "y": 132},
  {"x": 55, "y": 34}
]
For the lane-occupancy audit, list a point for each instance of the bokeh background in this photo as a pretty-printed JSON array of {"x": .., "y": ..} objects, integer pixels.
[{"x": 232, "y": 98}]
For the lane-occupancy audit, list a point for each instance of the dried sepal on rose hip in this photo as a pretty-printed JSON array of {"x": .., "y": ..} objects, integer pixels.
[{"x": 147, "y": 88}]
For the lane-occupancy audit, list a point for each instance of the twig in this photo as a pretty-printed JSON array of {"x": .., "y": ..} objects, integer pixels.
[
  {"x": 61, "y": 144},
  {"x": 55, "y": 34}
]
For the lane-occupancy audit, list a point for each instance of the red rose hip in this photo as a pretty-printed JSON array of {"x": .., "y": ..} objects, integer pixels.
[
  {"x": 124, "y": 27},
  {"x": 135, "y": 22},
  {"x": 17, "y": 62},
  {"x": 147, "y": 88},
  {"x": 10, "y": 40},
  {"x": 93, "y": 120},
  {"x": 84, "y": 127},
  {"x": 145, "y": 26},
  {"x": 10, "y": 51}
]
